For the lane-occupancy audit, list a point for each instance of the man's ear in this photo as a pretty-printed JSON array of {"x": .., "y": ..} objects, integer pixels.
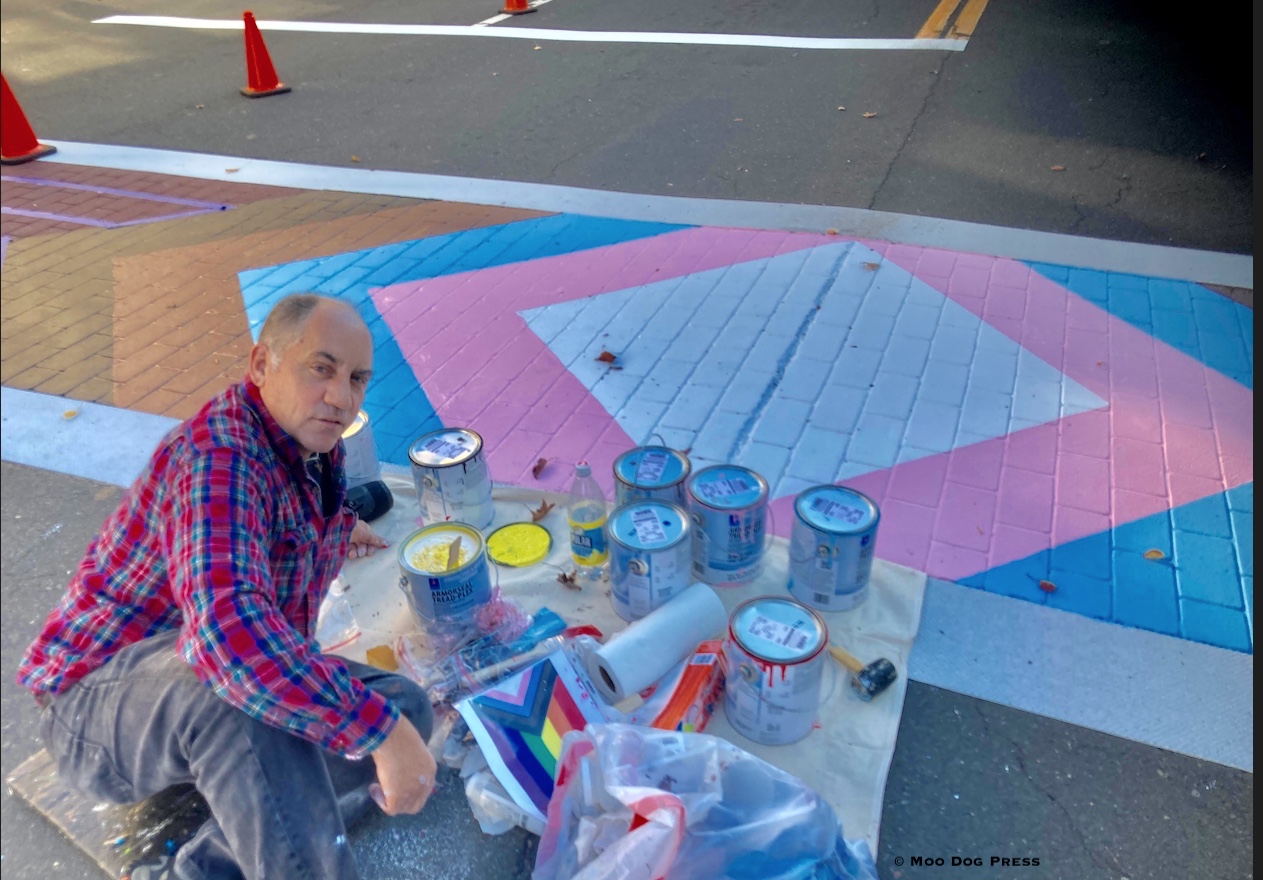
[{"x": 259, "y": 363}]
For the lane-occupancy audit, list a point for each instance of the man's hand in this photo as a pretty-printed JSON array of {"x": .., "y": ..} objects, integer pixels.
[
  {"x": 364, "y": 541},
  {"x": 405, "y": 771}
]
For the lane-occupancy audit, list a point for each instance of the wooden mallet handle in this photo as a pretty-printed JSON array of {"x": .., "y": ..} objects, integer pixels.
[{"x": 846, "y": 659}]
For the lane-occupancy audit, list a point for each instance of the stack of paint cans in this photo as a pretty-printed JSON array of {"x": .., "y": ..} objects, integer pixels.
[
  {"x": 445, "y": 586},
  {"x": 775, "y": 653},
  {"x": 729, "y": 507},
  {"x": 651, "y": 473},
  {"x": 831, "y": 547},
  {"x": 361, "y": 464},
  {"x": 650, "y": 553},
  {"x": 450, "y": 471}
]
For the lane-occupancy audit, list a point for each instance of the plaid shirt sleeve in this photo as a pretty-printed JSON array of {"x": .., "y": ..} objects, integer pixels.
[{"x": 234, "y": 636}]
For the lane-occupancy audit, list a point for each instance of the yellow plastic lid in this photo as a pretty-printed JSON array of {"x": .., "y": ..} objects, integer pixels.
[{"x": 519, "y": 544}]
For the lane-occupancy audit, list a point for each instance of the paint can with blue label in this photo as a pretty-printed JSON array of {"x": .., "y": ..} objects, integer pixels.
[
  {"x": 449, "y": 467},
  {"x": 729, "y": 509},
  {"x": 775, "y": 653},
  {"x": 361, "y": 464},
  {"x": 651, "y": 549},
  {"x": 443, "y": 585},
  {"x": 651, "y": 473},
  {"x": 831, "y": 547}
]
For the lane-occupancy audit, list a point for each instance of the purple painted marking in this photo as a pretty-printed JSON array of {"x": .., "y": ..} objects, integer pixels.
[
  {"x": 105, "y": 224},
  {"x": 4, "y": 246},
  {"x": 60, "y": 218},
  {"x": 125, "y": 193}
]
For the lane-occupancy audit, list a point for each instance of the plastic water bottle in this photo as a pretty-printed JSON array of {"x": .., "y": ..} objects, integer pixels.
[{"x": 586, "y": 513}]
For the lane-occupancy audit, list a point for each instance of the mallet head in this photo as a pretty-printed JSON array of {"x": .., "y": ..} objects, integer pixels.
[{"x": 873, "y": 678}]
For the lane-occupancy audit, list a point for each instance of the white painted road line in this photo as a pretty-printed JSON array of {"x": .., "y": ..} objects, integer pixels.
[
  {"x": 765, "y": 41},
  {"x": 1174, "y": 694},
  {"x": 1203, "y": 267}
]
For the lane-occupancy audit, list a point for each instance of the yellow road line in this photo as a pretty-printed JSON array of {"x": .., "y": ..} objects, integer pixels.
[
  {"x": 968, "y": 19},
  {"x": 936, "y": 24}
]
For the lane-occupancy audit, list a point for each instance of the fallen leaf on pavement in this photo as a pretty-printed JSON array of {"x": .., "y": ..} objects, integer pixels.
[
  {"x": 841, "y": 108},
  {"x": 231, "y": 170},
  {"x": 830, "y": 232},
  {"x": 869, "y": 115},
  {"x": 567, "y": 579},
  {"x": 1059, "y": 168},
  {"x": 606, "y": 357},
  {"x": 70, "y": 414},
  {"x": 355, "y": 158},
  {"x": 542, "y": 511},
  {"x": 201, "y": 106},
  {"x": 538, "y": 467},
  {"x": 1048, "y": 586},
  {"x": 1154, "y": 555},
  {"x": 872, "y": 267},
  {"x": 1201, "y": 157}
]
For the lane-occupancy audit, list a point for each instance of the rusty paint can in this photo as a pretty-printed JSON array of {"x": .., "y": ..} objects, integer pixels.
[{"x": 775, "y": 653}]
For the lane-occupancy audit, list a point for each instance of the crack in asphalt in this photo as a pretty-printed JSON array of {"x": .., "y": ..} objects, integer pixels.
[
  {"x": 1020, "y": 755},
  {"x": 925, "y": 103}
]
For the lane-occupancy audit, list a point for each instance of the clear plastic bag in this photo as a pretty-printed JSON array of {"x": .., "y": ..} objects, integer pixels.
[
  {"x": 635, "y": 803},
  {"x": 336, "y": 625}
]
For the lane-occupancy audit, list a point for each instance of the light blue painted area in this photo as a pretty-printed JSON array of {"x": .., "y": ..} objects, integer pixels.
[
  {"x": 795, "y": 327},
  {"x": 1205, "y": 571},
  {"x": 1186, "y": 316},
  {"x": 397, "y": 404}
]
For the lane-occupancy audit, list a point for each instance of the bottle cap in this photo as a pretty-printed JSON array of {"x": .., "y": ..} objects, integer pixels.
[{"x": 582, "y": 469}]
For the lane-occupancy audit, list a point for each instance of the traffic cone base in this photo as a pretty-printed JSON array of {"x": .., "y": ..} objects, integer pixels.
[
  {"x": 280, "y": 89},
  {"x": 37, "y": 153},
  {"x": 517, "y": 7},
  {"x": 18, "y": 143}
]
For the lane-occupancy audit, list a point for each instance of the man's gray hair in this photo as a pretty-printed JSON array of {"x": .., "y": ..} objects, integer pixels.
[{"x": 285, "y": 322}]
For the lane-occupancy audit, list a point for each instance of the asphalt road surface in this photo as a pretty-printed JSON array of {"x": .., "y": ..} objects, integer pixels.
[{"x": 1148, "y": 113}]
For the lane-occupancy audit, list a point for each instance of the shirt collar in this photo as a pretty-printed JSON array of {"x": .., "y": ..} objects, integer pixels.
[{"x": 286, "y": 447}]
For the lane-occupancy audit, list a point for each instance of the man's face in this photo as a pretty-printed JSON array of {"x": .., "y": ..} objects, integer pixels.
[{"x": 316, "y": 388}]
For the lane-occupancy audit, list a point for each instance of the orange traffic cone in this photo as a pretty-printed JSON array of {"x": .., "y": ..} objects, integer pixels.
[
  {"x": 261, "y": 79},
  {"x": 517, "y": 7},
  {"x": 18, "y": 143}
]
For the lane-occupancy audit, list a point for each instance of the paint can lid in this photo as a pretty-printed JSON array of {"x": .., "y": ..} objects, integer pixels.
[
  {"x": 778, "y": 629},
  {"x": 444, "y": 447},
  {"x": 837, "y": 509},
  {"x": 648, "y": 525},
  {"x": 727, "y": 487},
  {"x": 651, "y": 467},
  {"x": 518, "y": 545}
]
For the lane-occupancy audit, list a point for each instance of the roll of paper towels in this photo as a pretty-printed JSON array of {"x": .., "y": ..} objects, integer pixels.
[{"x": 647, "y": 650}]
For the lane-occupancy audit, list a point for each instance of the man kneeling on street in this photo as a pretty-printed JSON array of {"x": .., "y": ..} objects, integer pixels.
[{"x": 184, "y": 650}]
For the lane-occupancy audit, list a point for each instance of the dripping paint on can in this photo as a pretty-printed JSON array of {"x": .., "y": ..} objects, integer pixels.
[{"x": 775, "y": 653}]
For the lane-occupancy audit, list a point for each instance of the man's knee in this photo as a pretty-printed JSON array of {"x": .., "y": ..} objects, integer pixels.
[{"x": 411, "y": 700}]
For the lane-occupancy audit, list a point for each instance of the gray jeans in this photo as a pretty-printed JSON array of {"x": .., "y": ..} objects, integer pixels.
[{"x": 144, "y": 722}]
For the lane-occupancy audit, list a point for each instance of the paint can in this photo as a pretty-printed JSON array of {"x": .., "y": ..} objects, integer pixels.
[
  {"x": 362, "y": 465},
  {"x": 651, "y": 549},
  {"x": 775, "y": 653},
  {"x": 652, "y": 473},
  {"x": 728, "y": 506},
  {"x": 831, "y": 547},
  {"x": 450, "y": 472},
  {"x": 435, "y": 593}
]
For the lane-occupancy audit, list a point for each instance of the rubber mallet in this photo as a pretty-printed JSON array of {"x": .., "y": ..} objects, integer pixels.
[{"x": 867, "y": 681}]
